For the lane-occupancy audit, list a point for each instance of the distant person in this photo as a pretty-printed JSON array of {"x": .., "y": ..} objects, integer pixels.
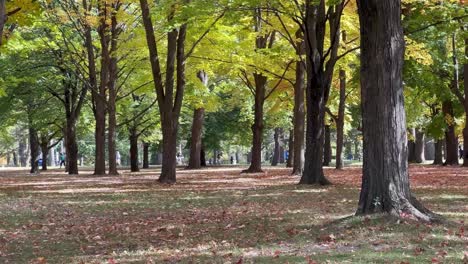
[
  {"x": 460, "y": 152},
  {"x": 62, "y": 159},
  {"x": 232, "y": 159}
]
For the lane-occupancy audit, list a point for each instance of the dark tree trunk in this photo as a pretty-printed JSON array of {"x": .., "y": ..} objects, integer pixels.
[
  {"x": 327, "y": 153},
  {"x": 465, "y": 90},
  {"x": 438, "y": 156},
  {"x": 385, "y": 182},
  {"x": 202, "y": 157},
  {"x": 319, "y": 76},
  {"x": 276, "y": 151},
  {"x": 169, "y": 96},
  {"x": 145, "y": 155},
  {"x": 196, "y": 139},
  {"x": 451, "y": 140},
  {"x": 257, "y": 127},
  {"x": 35, "y": 149},
  {"x": 299, "y": 118},
  {"x": 71, "y": 148},
  {"x": 290, "y": 161},
  {"x": 45, "y": 154},
  {"x": 340, "y": 122},
  {"x": 419, "y": 146},
  {"x": 134, "y": 151}
]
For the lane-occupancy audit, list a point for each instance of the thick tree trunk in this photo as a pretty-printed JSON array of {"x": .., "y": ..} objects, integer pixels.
[
  {"x": 299, "y": 119},
  {"x": 451, "y": 140},
  {"x": 340, "y": 122},
  {"x": 438, "y": 155},
  {"x": 290, "y": 161},
  {"x": 35, "y": 149},
  {"x": 196, "y": 139},
  {"x": 257, "y": 127},
  {"x": 385, "y": 182},
  {"x": 134, "y": 151},
  {"x": 169, "y": 160},
  {"x": 419, "y": 146},
  {"x": 327, "y": 153},
  {"x": 276, "y": 150},
  {"x": 145, "y": 155}
]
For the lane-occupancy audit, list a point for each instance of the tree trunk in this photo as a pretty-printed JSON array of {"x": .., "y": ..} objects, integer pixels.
[
  {"x": 327, "y": 154},
  {"x": 438, "y": 157},
  {"x": 385, "y": 182},
  {"x": 276, "y": 151},
  {"x": 340, "y": 122},
  {"x": 45, "y": 154},
  {"x": 299, "y": 119},
  {"x": 145, "y": 155},
  {"x": 113, "y": 75},
  {"x": 419, "y": 146},
  {"x": 133, "y": 151},
  {"x": 465, "y": 130},
  {"x": 196, "y": 139},
  {"x": 257, "y": 127},
  {"x": 202, "y": 156},
  {"x": 451, "y": 140},
  {"x": 290, "y": 161},
  {"x": 169, "y": 160},
  {"x": 71, "y": 148},
  {"x": 34, "y": 148}
]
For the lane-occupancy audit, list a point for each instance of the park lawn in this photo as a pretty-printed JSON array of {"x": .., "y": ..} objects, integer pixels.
[{"x": 219, "y": 216}]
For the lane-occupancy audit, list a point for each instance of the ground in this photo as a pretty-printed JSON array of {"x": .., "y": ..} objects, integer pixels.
[{"x": 220, "y": 216}]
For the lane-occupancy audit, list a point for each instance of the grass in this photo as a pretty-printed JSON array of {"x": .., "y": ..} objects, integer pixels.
[{"x": 220, "y": 216}]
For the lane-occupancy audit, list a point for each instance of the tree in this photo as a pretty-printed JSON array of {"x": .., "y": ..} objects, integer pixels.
[
  {"x": 170, "y": 93},
  {"x": 385, "y": 182},
  {"x": 319, "y": 76}
]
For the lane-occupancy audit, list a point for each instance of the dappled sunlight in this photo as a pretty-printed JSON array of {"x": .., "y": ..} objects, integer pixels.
[{"x": 218, "y": 215}]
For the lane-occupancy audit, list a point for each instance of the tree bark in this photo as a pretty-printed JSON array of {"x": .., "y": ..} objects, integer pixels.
[
  {"x": 134, "y": 151},
  {"x": 340, "y": 122},
  {"x": 451, "y": 139},
  {"x": 257, "y": 127},
  {"x": 169, "y": 103},
  {"x": 327, "y": 154},
  {"x": 145, "y": 155},
  {"x": 385, "y": 182},
  {"x": 34, "y": 149},
  {"x": 319, "y": 76},
  {"x": 196, "y": 139},
  {"x": 45, "y": 154},
  {"x": 299, "y": 118},
  {"x": 419, "y": 146},
  {"x": 71, "y": 148},
  {"x": 276, "y": 151},
  {"x": 465, "y": 90},
  {"x": 290, "y": 161},
  {"x": 111, "y": 103},
  {"x": 438, "y": 156}
]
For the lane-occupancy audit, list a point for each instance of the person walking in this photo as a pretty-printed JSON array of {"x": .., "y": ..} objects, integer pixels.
[{"x": 62, "y": 159}]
